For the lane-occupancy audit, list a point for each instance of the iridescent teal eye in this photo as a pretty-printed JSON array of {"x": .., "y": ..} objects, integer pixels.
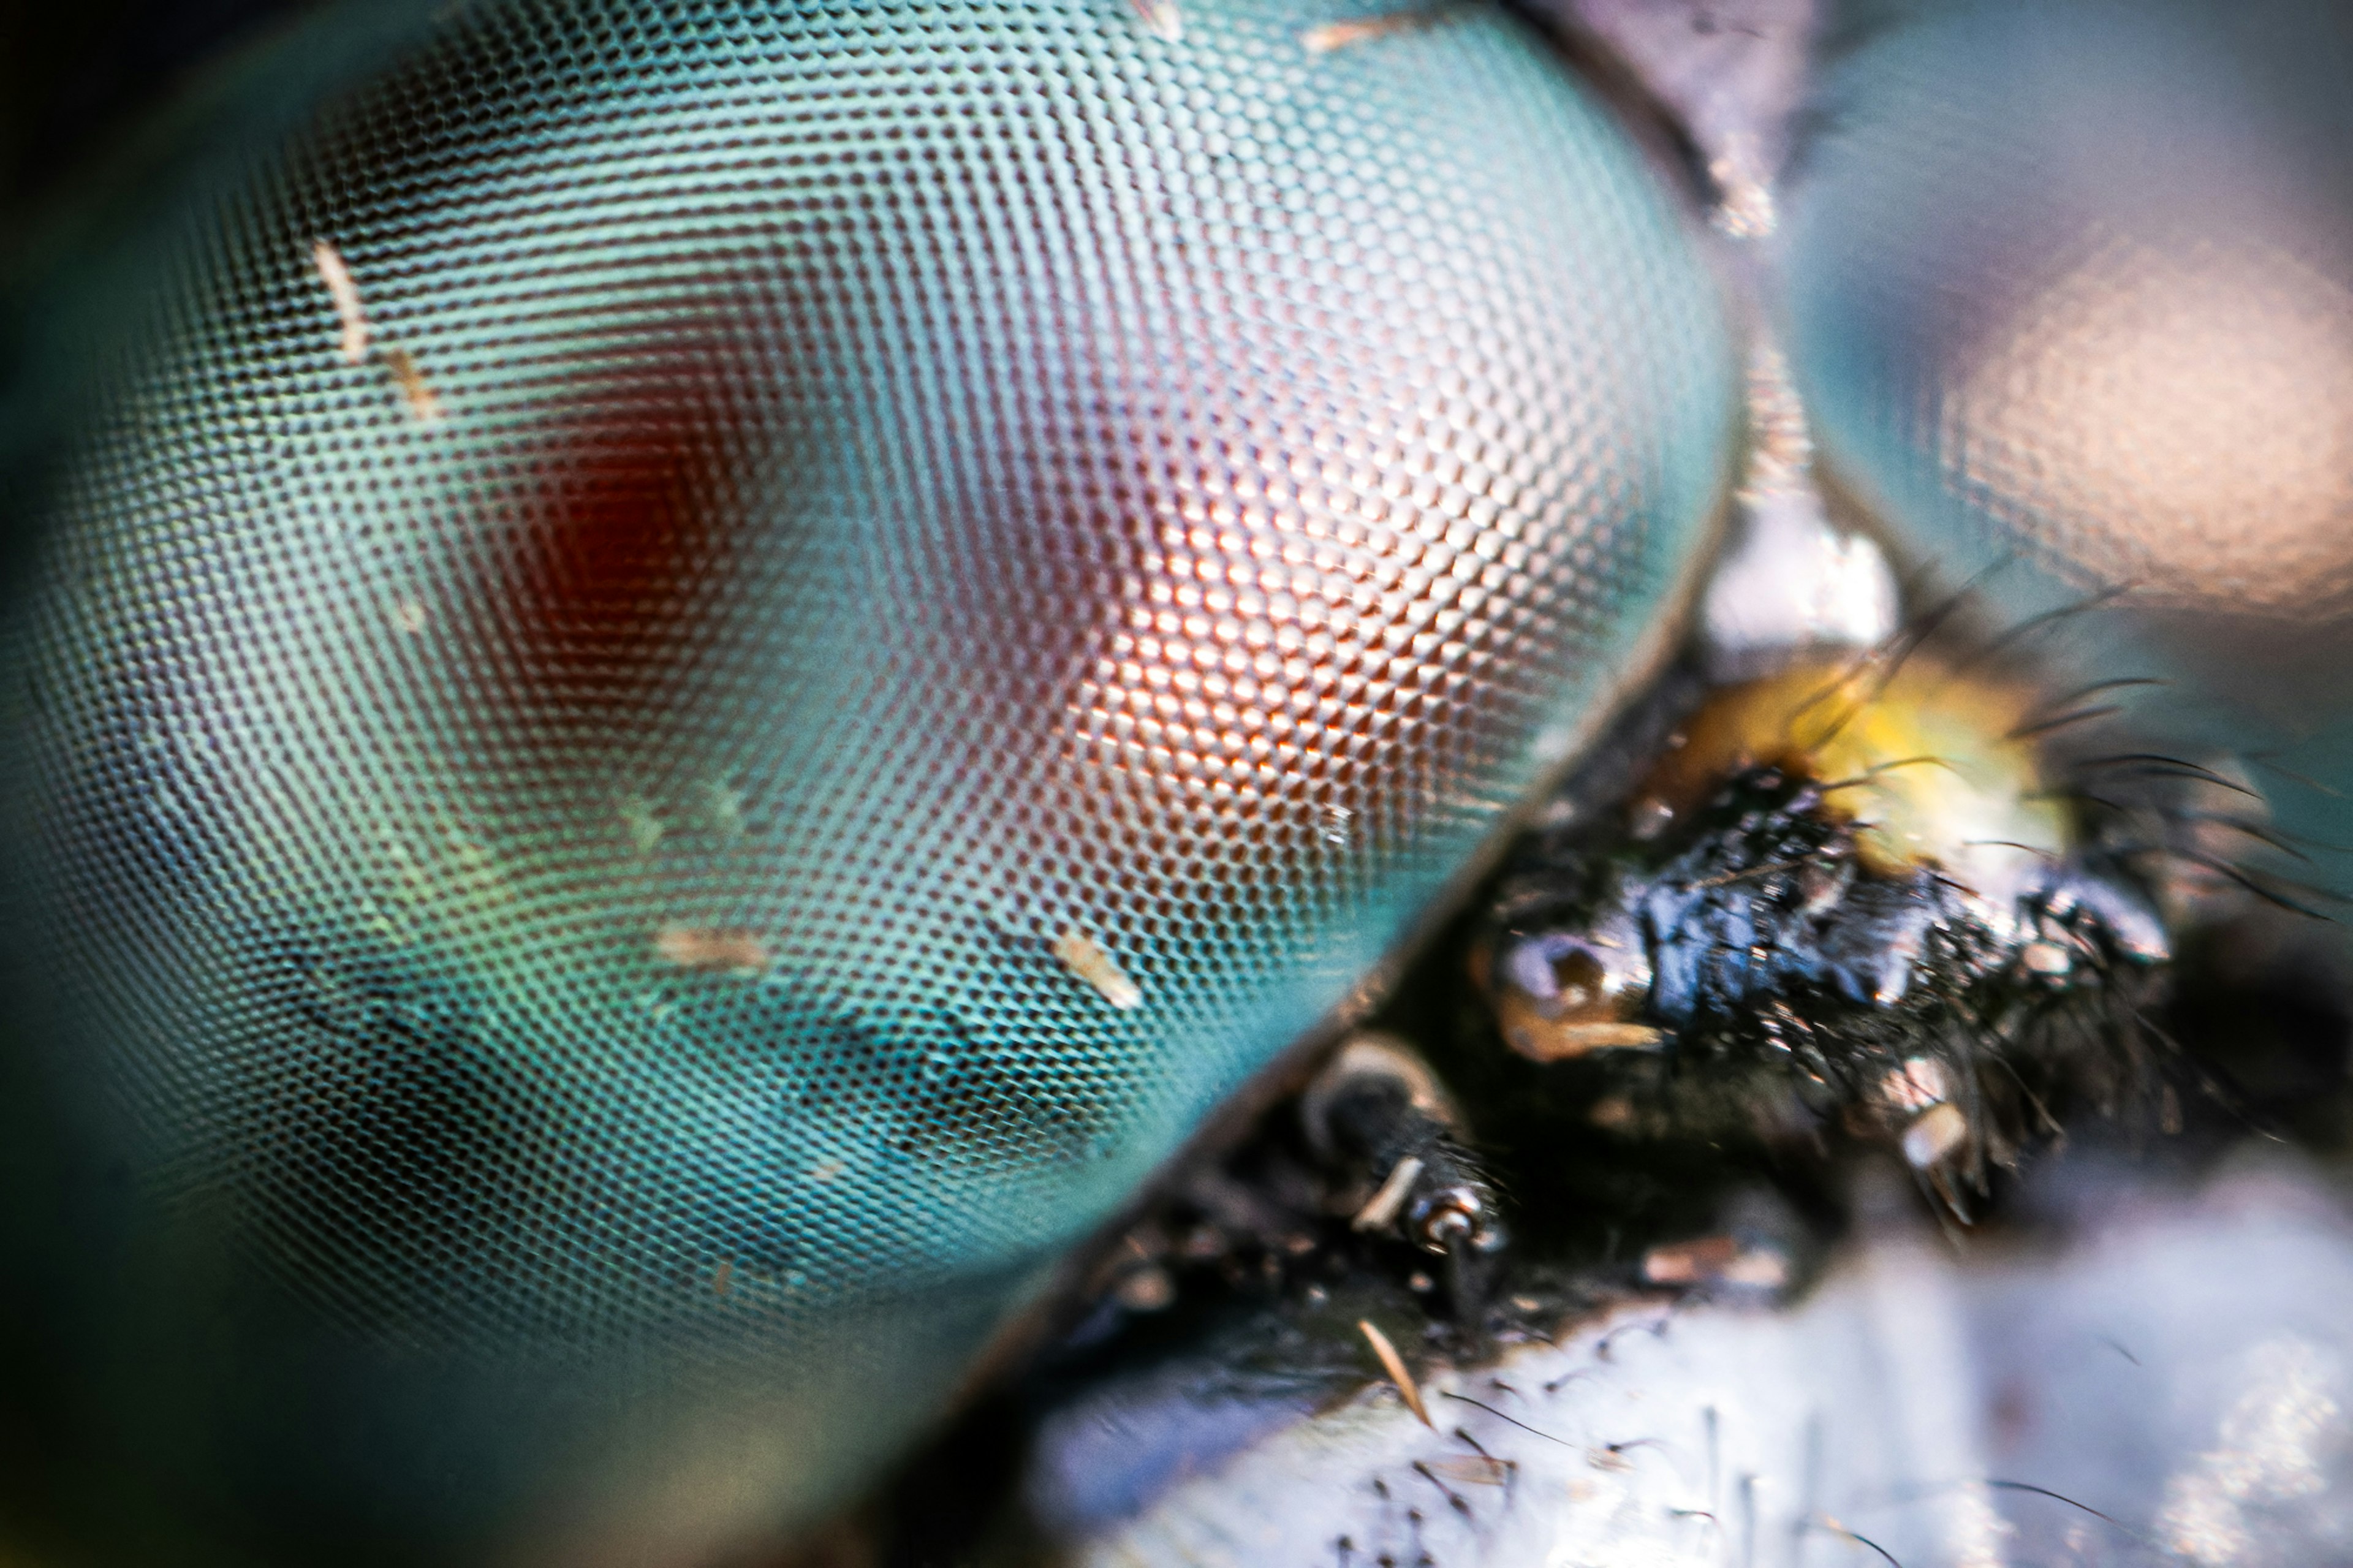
[
  {"x": 2072, "y": 289},
  {"x": 700, "y": 673}
]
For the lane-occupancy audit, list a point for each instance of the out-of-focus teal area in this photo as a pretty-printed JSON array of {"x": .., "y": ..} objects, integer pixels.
[{"x": 2072, "y": 300}]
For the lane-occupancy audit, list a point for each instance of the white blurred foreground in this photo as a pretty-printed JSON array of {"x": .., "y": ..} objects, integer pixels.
[{"x": 2182, "y": 1363}]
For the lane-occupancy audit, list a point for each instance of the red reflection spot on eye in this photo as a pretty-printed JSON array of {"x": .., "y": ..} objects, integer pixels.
[{"x": 637, "y": 512}]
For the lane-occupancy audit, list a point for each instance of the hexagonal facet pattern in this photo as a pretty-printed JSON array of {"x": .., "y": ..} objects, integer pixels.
[{"x": 711, "y": 666}]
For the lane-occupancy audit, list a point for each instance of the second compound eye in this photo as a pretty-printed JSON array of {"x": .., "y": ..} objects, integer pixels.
[
  {"x": 710, "y": 670},
  {"x": 2071, "y": 291}
]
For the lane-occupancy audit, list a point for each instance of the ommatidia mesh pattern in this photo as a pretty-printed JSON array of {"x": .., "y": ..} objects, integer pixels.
[{"x": 713, "y": 666}]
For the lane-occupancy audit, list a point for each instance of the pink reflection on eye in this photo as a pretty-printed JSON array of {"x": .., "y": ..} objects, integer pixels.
[
  {"x": 1274, "y": 660},
  {"x": 2175, "y": 414}
]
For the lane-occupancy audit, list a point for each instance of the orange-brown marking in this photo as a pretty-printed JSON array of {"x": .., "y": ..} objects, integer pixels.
[
  {"x": 1473, "y": 1470},
  {"x": 1331, "y": 36},
  {"x": 711, "y": 949},
  {"x": 1715, "y": 1260},
  {"x": 345, "y": 292},
  {"x": 1082, "y": 955},
  {"x": 1394, "y": 1364},
  {"x": 423, "y": 401}
]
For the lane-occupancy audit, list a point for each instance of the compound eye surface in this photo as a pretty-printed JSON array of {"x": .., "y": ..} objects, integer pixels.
[
  {"x": 2072, "y": 289},
  {"x": 700, "y": 673}
]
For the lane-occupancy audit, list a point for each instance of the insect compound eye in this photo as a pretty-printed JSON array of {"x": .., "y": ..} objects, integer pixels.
[
  {"x": 2072, "y": 300},
  {"x": 701, "y": 671}
]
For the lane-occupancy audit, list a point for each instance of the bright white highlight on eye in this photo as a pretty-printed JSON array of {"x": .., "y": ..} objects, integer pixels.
[{"x": 1162, "y": 19}]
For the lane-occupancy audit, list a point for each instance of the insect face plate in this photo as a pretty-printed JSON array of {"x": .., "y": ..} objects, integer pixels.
[{"x": 1856, "y": 876}]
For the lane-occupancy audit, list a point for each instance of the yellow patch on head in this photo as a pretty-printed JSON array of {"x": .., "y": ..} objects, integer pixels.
[{"x": 1928, "y": 762}]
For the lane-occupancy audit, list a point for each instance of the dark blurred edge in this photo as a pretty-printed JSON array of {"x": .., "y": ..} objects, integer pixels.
[{"x": 73, "y": 75}]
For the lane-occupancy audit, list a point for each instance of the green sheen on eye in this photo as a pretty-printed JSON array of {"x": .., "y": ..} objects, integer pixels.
[{"x": 705, "y": 671}]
